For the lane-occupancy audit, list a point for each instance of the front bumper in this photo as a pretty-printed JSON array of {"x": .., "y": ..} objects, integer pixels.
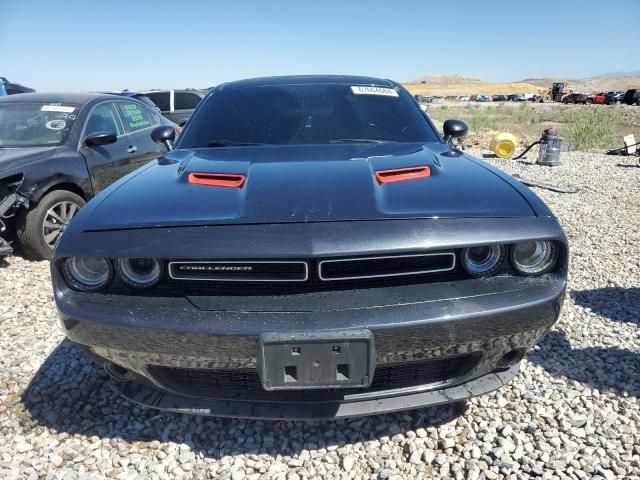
[{"x": 491, "y": 322}]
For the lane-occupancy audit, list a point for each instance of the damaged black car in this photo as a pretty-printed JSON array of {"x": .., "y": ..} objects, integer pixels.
[
  {"x": 56, "y": 152},
  {"x": 310, "y": 247}
]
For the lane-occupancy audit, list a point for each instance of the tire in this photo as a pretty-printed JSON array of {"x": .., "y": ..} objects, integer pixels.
[
  {"x": 56, "y": 207},
  {"x": 588, "y": 101}
]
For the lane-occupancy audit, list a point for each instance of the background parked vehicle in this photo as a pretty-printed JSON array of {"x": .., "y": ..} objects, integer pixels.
[
  {"x": 575, "y": 98},
  {"x": 176, "y": 105},
  {"x": 14, "y": 88},
  {"x": 500, "y": 98},
  {"x": 58, "y": 150},
  {"x": 516, "y": 97},
  {"x": 614, "y": 98},
  {"x": 632, "y": 97},
  {"x": 423, "y": 98},
  {"x": 596, "y": 98}
]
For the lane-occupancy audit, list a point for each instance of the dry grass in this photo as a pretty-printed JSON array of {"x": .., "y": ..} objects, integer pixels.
[{"x": 583, "y": 127}]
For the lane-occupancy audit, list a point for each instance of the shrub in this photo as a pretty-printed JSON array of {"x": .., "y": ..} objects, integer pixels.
[{"x": 590, "y": 128}]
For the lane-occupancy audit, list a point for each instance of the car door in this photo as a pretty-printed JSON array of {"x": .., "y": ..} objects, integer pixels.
[
  {"x": 105, "y": 163},
  {"x": 139, "y": 121},
  {"x": 184, "y": 103}
]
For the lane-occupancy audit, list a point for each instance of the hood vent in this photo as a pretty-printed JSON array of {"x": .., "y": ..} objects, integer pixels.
[
  {"x": 231, "y": 180},
  {"x": 402, "y": 174}
]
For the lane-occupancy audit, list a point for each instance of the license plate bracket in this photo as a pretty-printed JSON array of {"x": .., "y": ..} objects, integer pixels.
[{"x": 316, "y": 360}]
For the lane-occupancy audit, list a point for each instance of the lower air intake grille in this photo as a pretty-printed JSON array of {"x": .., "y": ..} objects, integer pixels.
[{"x": 244, "y": 384}]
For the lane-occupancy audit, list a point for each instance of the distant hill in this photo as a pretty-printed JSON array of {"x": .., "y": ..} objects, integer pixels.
[
  {"x": 634, "y": 73},
  {"x": 604, "y": 82},
  {"x": 459, "y": 85}
]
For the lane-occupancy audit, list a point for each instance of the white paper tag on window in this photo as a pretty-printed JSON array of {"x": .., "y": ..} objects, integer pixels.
[
  {"x": 361, "y": 90},
  {"x": 57, "y": 108}
]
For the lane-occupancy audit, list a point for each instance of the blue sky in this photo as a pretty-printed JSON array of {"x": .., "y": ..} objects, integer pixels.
[{"x": 90, "y": 45}]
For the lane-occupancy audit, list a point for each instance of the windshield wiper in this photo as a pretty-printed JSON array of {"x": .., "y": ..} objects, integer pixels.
[
  {"x": 357, "y": 140},
  {"x": 231, "y": 143}
]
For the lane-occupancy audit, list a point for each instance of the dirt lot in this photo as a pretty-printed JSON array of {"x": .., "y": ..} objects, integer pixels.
[{"x": 573, "y": 412}]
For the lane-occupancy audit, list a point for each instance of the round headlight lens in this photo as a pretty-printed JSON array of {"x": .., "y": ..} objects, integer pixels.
[
  {"x": 484, "y": 260},
  {"x": 87, "y": 273},
  {"x": 535, "y": 257},
  {"x": 139, "y": 272}
]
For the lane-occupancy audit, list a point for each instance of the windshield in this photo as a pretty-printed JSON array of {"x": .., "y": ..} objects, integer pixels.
[
  {"x": 306, "y": 114},
  {"x": 35, "y": 124}
]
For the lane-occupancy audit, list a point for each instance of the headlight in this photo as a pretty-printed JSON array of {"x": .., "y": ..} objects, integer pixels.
[
  {"x": 484, "y": 260},
  {"x": 139, "y": 272},
  {"x": 535, "y": 257},
  {"x": 87, "y": 273}
]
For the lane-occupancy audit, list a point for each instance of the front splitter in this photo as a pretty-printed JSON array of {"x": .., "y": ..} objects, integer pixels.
[{"x": 153, "y": 398}]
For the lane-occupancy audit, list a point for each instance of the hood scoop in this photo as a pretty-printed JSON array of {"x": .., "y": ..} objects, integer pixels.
[
  {"x": 402, "y": 174},
  {"x": 230, "y": 180}
]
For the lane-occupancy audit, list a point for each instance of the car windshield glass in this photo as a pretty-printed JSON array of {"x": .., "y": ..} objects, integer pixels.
[
  {"x": 302, "y": 114},
  {"x": 35, "y": 124}
]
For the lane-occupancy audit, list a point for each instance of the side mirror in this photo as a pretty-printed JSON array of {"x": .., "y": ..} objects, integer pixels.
[
  {"x": 165, "y": 135},
  {"x": 454, "y": 129},
  {"x": 100, "y": 138}
]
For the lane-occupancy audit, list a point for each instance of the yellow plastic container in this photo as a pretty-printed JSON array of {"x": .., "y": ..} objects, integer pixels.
[{"x": 504, "y": 145}]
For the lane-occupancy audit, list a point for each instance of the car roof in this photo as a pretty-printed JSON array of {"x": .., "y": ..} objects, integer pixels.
[
  {"x": 166, "y": 90},
  {"x": 308, "y": 79},
  {"x": 73, "y": 98},
  {"x": 123, "y": 93}
]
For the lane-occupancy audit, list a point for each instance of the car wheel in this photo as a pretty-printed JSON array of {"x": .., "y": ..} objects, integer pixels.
[
  {"x": 589, "y": 102},
  {"x": 40, "y": 228}
]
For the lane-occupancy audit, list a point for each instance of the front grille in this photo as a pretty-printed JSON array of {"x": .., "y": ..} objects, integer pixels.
[
  {"x": 304, "y": 275},
  {"x": 244, "y": 384},
  {"x": 239, "y": 271},
  {"x": 386, "y": 266}
]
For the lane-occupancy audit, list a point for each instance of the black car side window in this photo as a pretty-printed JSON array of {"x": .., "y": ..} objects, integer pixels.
[
  {"x": 185, "y": 101},
  {"x": 161, "y": 99},
  {"x": 136, "y": 117},
  {"x": 103, "y": 118}
]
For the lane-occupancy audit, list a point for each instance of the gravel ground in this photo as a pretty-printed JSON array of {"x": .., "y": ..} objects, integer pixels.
[{"x": 573, "y": 412}]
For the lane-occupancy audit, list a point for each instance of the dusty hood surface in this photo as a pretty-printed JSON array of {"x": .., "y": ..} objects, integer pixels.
[{"x": 305, "y": 184}]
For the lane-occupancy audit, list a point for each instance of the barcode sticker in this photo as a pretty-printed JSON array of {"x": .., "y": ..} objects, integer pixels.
[{"x": 361, "y": 90}]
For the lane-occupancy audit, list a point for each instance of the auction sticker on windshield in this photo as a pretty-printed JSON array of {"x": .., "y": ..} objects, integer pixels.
[
  {"x": 57, "y": 108},
  {"x": 387, "y": 92}
]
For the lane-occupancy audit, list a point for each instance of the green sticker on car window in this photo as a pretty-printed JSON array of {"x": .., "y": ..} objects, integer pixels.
[{"x": 134, "y": 117}]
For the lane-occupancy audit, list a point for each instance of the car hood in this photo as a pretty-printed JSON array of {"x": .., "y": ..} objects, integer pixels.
[
  {"x": 305, "y": 184},
  {"x": 12, "y": 159}
]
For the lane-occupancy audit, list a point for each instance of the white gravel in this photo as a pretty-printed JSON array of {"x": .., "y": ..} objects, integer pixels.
[{"x": 573, "y": 412}]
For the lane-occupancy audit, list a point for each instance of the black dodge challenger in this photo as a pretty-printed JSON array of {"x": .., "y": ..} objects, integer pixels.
[{"x": 311, "y": 247}]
